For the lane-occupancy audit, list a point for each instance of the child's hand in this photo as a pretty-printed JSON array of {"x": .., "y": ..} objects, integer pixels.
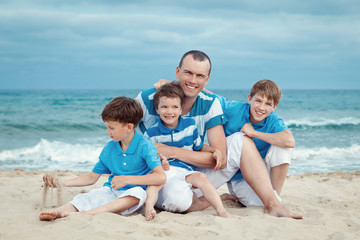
[
  {"x": 220, "y": 163},
  {"x": 118, "y": 182},
  {"x": 248, "y": 130},
  {"x": 49, "y": 181},
  {"x": 164, "y": 162}
]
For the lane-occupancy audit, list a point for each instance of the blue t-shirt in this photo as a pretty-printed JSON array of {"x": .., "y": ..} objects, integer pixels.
[
  {"x": 206, "y": 111},
  {"x": 138, "y": 159},
  {"x": 185, "y": 135},
  {"x": 238, "y": 114}
]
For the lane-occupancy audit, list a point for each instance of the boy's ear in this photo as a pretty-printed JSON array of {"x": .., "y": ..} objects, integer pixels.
[
  {"x": 275, "y": 106},
  {"x": 130, "y": 126},
  {"x": 249, "y": 98}
]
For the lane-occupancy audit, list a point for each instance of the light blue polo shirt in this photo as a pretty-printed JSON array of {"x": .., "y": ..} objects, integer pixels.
[
  {"x": 185, "y": 135},
  {"x": 238, "y": 114},
  {"x": 138, "y": 159},
  {"x": 206, "y": 111}
]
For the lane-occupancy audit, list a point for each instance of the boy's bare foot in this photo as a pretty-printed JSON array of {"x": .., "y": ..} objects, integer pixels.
[
  {"x": 66, "y": 214},
  {"x": 282, "y": 211},
  {"x": 226, "y": 196},
  {"x": 149, "y": 213},
  {"x": 48, "y": 216}
]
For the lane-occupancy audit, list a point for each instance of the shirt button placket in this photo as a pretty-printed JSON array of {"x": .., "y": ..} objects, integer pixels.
[{"x": 124, "y": 156}]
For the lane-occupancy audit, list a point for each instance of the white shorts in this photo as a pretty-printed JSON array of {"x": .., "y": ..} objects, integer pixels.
[
  {"x": 176, "y": 195},
  {"x": 219, "y": 177},
  {"x": 241, "y": 189},
  {"x": 101, "y": 196}
]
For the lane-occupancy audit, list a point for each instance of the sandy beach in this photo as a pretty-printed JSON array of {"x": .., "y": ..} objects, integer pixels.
[{"x": 330, "y": 203}]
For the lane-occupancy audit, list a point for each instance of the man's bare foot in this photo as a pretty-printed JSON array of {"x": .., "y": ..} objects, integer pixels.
[
  {"x": 48, "y": 216},
  {"x": 282, "y": 211},
  {"x": 149, "y": 213},
  {"x": 226, "y": 196}
]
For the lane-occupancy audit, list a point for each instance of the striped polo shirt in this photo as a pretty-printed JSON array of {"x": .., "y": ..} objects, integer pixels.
[
  {"x": 185, "y": 135},
  {"x": 206, "y": 111}
]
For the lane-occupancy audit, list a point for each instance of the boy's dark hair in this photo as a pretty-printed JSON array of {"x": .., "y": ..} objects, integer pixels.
[
  {"x": 198, "y": 56},
  {"x": 170, "y": 90},
  {"x": 124, "y": 110},
  {"x": 267, "y": 88}
]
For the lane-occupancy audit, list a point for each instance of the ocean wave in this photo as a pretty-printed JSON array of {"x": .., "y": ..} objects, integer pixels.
[
  {"x": 325, "y": 159},
  {"x": 326, "y": 123},
  {"x": 51, "y": 155},
  {"x": 351, "y": 152},
  {"x": 50, "y": 127},
  {"x": 58, "y": 155}
]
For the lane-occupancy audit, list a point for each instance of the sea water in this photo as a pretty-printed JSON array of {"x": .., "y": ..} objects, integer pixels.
[{"x": 62, "y": 129}]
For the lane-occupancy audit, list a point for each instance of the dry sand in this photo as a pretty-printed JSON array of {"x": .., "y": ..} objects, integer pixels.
[{"x": 330, "y": 203}]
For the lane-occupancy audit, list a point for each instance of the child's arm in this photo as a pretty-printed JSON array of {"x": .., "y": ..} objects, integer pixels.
[
  {"x": 282, "y": 139},
  {"x": 157, "y": 177},
  {"x": 84, "y": 180}
]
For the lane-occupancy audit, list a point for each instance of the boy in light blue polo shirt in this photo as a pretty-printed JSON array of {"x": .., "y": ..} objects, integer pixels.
[
  {"x": 173, "y": 130},
  {"x": 128, "y": 158},
  {"x": 273, "y": 139}
]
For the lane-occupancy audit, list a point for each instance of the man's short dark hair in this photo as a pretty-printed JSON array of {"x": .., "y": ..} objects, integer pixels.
[{"x": 198, "y": 56}]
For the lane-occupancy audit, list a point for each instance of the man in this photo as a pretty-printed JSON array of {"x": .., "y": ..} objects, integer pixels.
[{"x": 193, "y": 74}]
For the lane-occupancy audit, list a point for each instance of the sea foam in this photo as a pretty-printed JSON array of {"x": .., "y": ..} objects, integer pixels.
[{"x": 51, "y": 155}]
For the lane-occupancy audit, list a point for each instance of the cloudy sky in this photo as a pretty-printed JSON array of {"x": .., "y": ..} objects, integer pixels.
[{"x": 54, "y": 44}]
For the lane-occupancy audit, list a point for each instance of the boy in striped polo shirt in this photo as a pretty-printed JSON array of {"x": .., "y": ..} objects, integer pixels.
[{"x": 173, "y": 130}]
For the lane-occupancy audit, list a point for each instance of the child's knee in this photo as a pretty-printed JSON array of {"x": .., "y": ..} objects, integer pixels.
[
  {"x": 198, "y": 179},
  {"x": 202, "y": 177}
]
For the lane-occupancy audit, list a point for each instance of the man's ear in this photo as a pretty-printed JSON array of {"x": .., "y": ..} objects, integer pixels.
[
  {"x": 177, "y": 70},
  {"x": 207, "y": 80}
]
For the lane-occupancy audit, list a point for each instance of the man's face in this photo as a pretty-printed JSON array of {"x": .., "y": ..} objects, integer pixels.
[
  {"x": 260, "y": 108},
  {"x": 193, "y": 76}
]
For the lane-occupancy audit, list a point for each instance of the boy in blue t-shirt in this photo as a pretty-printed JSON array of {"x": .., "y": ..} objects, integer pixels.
[
  {"x": 273, "y": 139},
  {"x": 173, "y": 130},
  {"x": 128, "y": 158}
]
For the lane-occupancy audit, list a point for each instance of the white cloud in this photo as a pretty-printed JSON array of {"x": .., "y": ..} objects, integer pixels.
[{"x": 250, "y": 34}]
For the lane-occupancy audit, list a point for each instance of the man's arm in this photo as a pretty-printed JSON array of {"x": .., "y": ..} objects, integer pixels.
[
  {"x": 216, "y": 137},
  {"x": 282, "y": 139},
  {"x": 157, "y": 177},
  {"x": 217, "y": 155},
  {"x": 196, "y": 158}
]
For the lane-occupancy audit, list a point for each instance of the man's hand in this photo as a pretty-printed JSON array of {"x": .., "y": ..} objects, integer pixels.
[
  {"x": 248, "y": 130},
  {"x": 118, "y": 182},
  {"x": 163, "y": 149},
  {"x": 164, "y": 162},
  {"x": 220, "y": 162},
  {"x": 160, "y": 83}
]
